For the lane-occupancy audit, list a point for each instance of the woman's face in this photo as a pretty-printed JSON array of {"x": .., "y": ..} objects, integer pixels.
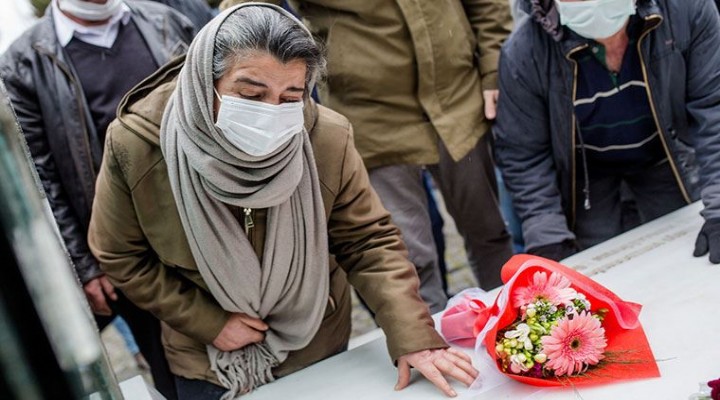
[{"x": 261, "y": 77}]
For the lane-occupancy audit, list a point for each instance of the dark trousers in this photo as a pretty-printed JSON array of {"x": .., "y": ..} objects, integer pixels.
[
  {"x": 654, "y": 190},
  {"x": 436, "y": 220},
  {"x": 469, "y": 189},
  {"x": 146, "y": 330}
]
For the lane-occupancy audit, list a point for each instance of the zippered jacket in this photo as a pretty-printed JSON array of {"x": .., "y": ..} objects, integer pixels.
[
  {"x": 535, "y": 136},
  {"x": 137, "y": 235},
  {"x": 55, "y": 118}
]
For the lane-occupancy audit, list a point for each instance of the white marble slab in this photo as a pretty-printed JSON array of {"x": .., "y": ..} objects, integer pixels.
[{"x": 651, "y": 265}]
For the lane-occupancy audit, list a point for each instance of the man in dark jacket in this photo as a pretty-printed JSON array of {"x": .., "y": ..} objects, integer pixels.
[
  {"x": 65, "y": 77},
  {"x": 599, "y": 94}
]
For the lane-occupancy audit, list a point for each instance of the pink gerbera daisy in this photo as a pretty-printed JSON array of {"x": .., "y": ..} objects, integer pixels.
[
  {"x": 574, "y": 344},
  {"x": 555, "y": 290}
]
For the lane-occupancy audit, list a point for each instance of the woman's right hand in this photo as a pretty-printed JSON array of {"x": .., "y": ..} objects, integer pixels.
[{"x": 239, "y": 331}]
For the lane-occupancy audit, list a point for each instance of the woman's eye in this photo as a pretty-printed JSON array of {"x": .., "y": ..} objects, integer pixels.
[
  {"x": 293, "y": 100},
  {"x": 251, "y": 97}
]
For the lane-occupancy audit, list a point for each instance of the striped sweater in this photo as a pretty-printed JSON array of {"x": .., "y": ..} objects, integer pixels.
[{"x": 615, "y": 122}]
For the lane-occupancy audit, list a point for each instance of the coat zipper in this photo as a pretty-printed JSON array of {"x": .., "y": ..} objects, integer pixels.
[
  {"x": 654, "y": 112},
  {"x": 573, "y": 162},
  {"x": 249, "y": 223}
]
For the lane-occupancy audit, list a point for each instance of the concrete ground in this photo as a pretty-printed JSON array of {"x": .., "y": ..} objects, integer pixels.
[{"x": 459, "y": 277}]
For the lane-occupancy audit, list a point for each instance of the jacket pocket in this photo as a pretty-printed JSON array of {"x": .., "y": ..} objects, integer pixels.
[{"x": 686, "y": 161}]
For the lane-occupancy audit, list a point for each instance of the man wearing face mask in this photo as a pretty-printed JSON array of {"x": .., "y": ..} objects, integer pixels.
[
  {"x": 600, "y": 93},
  {"x": 65, "y": 77}
]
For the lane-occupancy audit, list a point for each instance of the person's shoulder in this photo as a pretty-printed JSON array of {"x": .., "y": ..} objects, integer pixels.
[
  {"x": 332, "y": 121},
  {"x": 18, "y": 64},
  {"x": 150, "y": 7},
  {"x": 681, "y": 21},
  {"x": 152, "y": 10},
  {"x": 133, "y": 138},
  {"x": 331, "y": 132},
  {"x": 163, "y": 18},
  {"x": 527, "y": 40},
  {"x": 331, "y": 139},
  {"x": 37, "y": 37},
  {"x": 671, "y": 5},
  {"x": 134, "y": 156},
  {"x": 676, "y": 12}
]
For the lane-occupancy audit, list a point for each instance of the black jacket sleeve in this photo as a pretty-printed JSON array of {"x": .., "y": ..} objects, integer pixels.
[{"x": 16, "y": 70}]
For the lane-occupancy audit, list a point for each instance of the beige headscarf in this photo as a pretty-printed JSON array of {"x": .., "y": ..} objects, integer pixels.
[{"x": 289, "y": 290}]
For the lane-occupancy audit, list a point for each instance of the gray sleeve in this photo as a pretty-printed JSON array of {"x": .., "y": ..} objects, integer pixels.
[
  {"x": 523, "y": 150},
  {"x": 703, "y": 100}
]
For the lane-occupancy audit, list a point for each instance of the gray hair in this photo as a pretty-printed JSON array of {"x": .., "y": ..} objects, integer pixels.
[{"x": 251, "y": 29}]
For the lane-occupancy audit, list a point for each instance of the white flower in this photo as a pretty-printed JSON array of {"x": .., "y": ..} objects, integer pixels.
[
  {"x": 540, "y": 357},
  {"x": 522, "y": 335},
  {"x": 517, "y": 365},
  {"x": 583, "y": 300}
]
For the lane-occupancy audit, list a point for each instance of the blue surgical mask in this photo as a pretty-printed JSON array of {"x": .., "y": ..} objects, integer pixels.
[{"x": 595, "y": 19}]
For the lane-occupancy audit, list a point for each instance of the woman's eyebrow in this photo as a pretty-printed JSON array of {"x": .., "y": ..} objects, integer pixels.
[
  {"x": 253, "y": 82},
  {"x": 243, "y": 79}
]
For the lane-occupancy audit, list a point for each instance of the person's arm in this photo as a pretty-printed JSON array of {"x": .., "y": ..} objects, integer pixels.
[
  {"x": 15, "y": 72},
  {"x": 183, "y": 26},
  {"x": 523, "y": 153},
  {"x": 197, "y": 11},
  {"x": 117, "y": 240},
  {"x": 491, "y": 21},
  {"x": 368, "y": 247},
  {"x": 703, "y": 107}
]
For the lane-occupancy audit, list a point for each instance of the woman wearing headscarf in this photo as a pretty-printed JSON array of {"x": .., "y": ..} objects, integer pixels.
[{"x": 237, "y": 210}]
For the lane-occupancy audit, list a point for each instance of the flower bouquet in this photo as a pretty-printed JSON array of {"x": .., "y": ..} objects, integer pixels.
[
  {"x": 552, "y": 326},
  {"x": 556, "y": 333}
]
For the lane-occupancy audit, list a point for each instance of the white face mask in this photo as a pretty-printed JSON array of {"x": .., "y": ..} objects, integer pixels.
[
  {"x": 258, "y": 128},
  {"x": 595, "y": 19},
  {"x": 90, "y": 11}
]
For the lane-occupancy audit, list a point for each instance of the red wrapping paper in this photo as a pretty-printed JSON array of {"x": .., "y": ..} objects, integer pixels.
[{"x": 627, "y": 355}]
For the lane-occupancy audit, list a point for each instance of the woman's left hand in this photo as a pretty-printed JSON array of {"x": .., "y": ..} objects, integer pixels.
[{"x": 435, "y": 365}]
